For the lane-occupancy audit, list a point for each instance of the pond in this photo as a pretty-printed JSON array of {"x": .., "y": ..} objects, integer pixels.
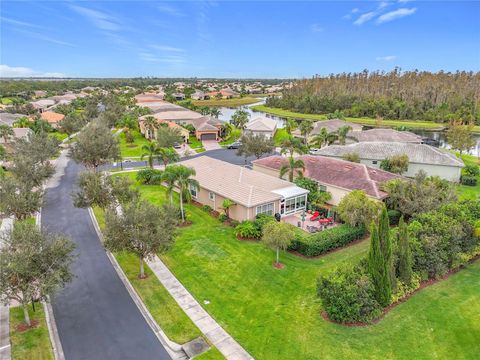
[{"x": 435, "y": 138}]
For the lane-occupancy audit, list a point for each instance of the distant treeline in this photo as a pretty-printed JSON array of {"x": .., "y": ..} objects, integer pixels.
[{"x": 415, "y": 95}]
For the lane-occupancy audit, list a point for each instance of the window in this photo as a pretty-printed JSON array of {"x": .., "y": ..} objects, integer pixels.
[
  {"x": 322, "y": 188},
  {"x": 290, "y": 205},
  {"x": 265, "y": 209},
  {"x": 300, "y": 202},
  {"x": 374, "y": 162},
  {"x": 193, "y": 191},
  {"x": 211, "y": 195},
  {"x": 295, "y": 203}
]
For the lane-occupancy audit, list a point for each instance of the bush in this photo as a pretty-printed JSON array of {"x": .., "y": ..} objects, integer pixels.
[
  {"x": 149, "y": 176},
  {"x": 468, "y": 180},
  {"x": 348, "y": 296},
  {"x": 207, "y": 208},
  {"x": 323, "y": 241},
  {"x": 222, "y": 217},
  {"x": 262, "y": 219},
  {"x": 394, "y": 216},
  {"x": 175, "y": 210},
  {"x": 248, "y": 229},
  {"x": 471, "y": 170}
]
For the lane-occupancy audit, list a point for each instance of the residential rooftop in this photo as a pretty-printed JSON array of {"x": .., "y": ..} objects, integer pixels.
[
  {"x": 386, "y": 135},
  {"x": 262, "y": 124},
  {"x": 331, "y": 126}
]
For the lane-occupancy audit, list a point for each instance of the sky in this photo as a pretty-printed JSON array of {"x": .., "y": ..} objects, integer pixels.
[{"x": 233, "y": 39}]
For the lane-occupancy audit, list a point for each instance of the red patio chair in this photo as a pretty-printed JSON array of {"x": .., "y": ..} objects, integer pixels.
[{"x": 315, "y": 216}]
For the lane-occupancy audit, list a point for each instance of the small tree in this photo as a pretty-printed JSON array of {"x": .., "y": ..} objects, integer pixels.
[
  {"x": 95, "y": 146},
  {"x": 356, "y": 208},
  {"x": 33, "y": 264},
  {"x": 305, "y": 127},
  {"x": 183, "y": 181},
  {"x": 378, "y": 269},
  {"x": 167, "y": 156},
  {"x": 460, "y": 136},
  {"x": 255, "y": 145},
  {"x": 240, "y": 119},
  {"x": 151, "y": 151},
  {"x": 142, "y": 229},
  {"x": 405, "y": 260},
  {"x": 278, "y": 236},
  {"x": 342, "y": 133},
  {"x": 167, "y": 137},
  {"x": 6, "y": 132},
  {"x": 72, "y": 123},
  {"x": 386, "y": 245},
  {"x": 397, "y": 164},
  {"x": 226, "y": 205},
  {"x": 352, "y": 157},
  {"x": 17, "y": 199}
]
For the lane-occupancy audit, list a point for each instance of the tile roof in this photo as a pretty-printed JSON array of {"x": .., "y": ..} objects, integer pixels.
[
  {"x": 417, "y": 153},
  {"x": 331, "y": 126},
  {"x": 39, "y": 104},
  {"x": 9, "y": 119},
  {"x": 389, "y": 135},
  {"x": 336, "y": 172},
  {"x": 262, "y": 124},
  {"x": 52, "y": 117},
  {"x": 243, "y": 186}
]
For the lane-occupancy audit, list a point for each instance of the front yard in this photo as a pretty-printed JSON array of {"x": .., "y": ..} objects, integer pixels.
[
  {"x": 134, "y": 149},
  {"x": 275, "y": 314}
]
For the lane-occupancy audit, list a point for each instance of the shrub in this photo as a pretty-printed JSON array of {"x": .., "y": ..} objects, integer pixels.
[
  {"x": 348, "y": 296},
  {"x": 323, "y": 241},
  {"x": 394, "y": 216},
  {"x": 207, "y": 208},
  {"x": 175, "y": 211},
  {"x": 471, "y": 170},
  {"x": 468, "y": 180},
  {"x": 222, "y": 217},
  {"x": 149, "y": 176},
  {"x": 262, "y": 219},
  {"x": 248, "y": 229}
]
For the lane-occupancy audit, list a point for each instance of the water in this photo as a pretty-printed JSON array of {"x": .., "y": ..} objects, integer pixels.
[{"x": 438, "y": 136}]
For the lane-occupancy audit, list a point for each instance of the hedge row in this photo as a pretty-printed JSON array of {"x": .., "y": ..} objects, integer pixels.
[{"x": 323, "y": 241}]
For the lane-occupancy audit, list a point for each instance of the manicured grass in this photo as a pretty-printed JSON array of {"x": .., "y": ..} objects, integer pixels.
[
  {"x": 134, "y": 149},
  {"x": 464, "y": 191},
  {"x": 200, "y": 150},
  {"x": 6, "y": 101},
  {"x": 235, "y": 135},
  {"x": 33, "y": 343},
  {"x": 364, "y": 121},
  {"x": 226, "y": 102},
  {"x": 194, "y": 143},
  {"x": 280, "y": 134},
  {"x": 59, "y": 135},
  {"x": 275, "y": 314}
]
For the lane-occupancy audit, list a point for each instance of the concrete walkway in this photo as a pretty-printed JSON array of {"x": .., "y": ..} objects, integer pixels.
[
  {"x": 207, "y": 325},
  {"x": 211, "y": 145}
]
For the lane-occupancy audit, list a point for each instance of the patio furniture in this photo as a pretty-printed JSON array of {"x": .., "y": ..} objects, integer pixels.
[
  {"x": 312, "y": 229},
  {"x": 315, "y": 216}
]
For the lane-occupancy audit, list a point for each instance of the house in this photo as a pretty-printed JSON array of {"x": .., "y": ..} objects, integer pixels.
[
  {"x": 262, "y": 126},
  {"x": 52, "y": 118},
  {"x": 434, "y": 161},
  {"x": 148, "y": 98},
  {"x": 178, "y": 96},
  {"x": 386, "y": 135},
  {"x": 252, "y": 192},
  {"x": 18, "y": 133},
  {"x": 331, "y": 125},
  {"x": 39, "y": 93},
  {"x": 42, "y": 105},
  {"x": 224, "y": 94},
  {"x": 9, "y": 119},
  {"x": 339, "y": 177},
  {"x": 199, "y": 95},
  {"x": 152, "y": 134}
]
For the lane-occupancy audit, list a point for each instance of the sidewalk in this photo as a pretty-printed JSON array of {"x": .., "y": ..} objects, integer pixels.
[{"x": 207, "y": 325}]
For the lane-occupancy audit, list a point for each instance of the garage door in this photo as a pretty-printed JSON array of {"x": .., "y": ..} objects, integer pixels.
[{"x": 209, "y": 136}]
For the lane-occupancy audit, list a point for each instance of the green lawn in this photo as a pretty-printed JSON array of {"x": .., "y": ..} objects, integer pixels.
[
  {"x": 234, "y": 135},
  {"x": 226, "y": 102},
  {"x": 276, "y": 314},
  {"x": 33, "y": 343},
  {"x": 413, "y": 124},
  {"x": 280, "y": 134},
  {"x": 194, "y": 143},
  {"x": 469, "y": 192},
  {"x": 59, "y": 135},
  {"x": 134, "y": 149}
]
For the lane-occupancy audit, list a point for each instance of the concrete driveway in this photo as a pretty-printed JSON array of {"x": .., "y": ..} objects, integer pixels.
[
  {"x": 211, "y": 145},
  {"x": 95, "y": 315}
]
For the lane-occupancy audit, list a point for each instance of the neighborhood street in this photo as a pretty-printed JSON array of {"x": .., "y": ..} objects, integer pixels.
[{"x": 95, "y": 315}]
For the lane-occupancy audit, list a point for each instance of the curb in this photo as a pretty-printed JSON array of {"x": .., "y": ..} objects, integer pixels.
[{"x": 175, "y": 350}]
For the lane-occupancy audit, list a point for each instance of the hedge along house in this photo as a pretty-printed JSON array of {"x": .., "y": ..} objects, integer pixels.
[
  {"x": 252, "y": 192},
  {"x": 338, "y": 177}
]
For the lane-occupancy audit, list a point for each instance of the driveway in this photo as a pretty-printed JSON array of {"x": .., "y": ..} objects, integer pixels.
[
  {"x": 211, "y": 145},
  {"x": 95, "y": 315}
]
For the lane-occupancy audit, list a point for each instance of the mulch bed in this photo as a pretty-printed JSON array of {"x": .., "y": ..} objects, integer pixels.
[
  {"x": 186, "y": 223},
  {"x": 278, "y": 266},
  {"x": 24, "y": 327},
  {"x": 247, "y": 238},
  {"x": 142, "y": 277},
  {"x": 386, "y": 310}
]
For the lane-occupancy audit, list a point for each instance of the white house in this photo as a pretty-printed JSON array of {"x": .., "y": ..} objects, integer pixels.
[{"x": 262, "y": 126}]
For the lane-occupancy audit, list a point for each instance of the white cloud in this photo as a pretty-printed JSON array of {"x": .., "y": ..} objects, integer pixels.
[
  {"x": 396, "y": 14},
  {"x": 365, "y": 17},
  {"x": 171, "y": 59},
  {"x": 403, "y": 1},
  {"x": 170, "y": 10},
  {"x": 18, "y": 22},
  {"x": 98, "y": 18},
  {"x": 355, "y": 10},
  {"x": 383, "y": 4},
  {"x": 386, "y": 58},
  {"x": 167, "y": 48},
  {"x": 19, "y": 71},
  {"x": 316, "y": 28}
]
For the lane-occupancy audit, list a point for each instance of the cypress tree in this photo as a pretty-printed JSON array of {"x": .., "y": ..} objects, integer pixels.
[
  {"x": 386, "y": 245},
  {"x": 378, "y": 269},
  {"x": 405, "y": 254}
]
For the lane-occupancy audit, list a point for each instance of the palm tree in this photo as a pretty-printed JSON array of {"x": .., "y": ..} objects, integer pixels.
[
  {"x": 240, "y": 118},
  {"x": 150, "y": 124},
  {"x": 290, "y": 125},
  {"x": 6, "y": 132},
  {"x": 169, "y": 177},
  {"x": 151, "y": 150},
  {"x": 183, "y": 181},
  {"x": 323, "y": 138},
  {"x": 306, "y": 127},
  {"x": 292, "y": 145},
  {"x": 293, "y": 166},
  {"x": 215, "y": 112},
  {"x": 226, "y": 205},
  {"x": 167, "y": 155},
  {"x": 342, "y": 133},
  {"x": 226, "y": 130}
]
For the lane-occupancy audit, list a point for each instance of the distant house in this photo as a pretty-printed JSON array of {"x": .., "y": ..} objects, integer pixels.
[
  {"x": 148, "y": 98},
  {"x": 252, "y": 192},
  {"x": 152, "y": 134},
  {"x": 42, "y": 105},
  {"x": 19, "y": 133},
  {"x": 339, "y": 177},
  {"x": 178, "y": 96},
  {"x": 386, "y": 135},
  {"x": 224, "y": 93},
  {"x": 9, "y": 119},
  {"x": 39, "y": 93},
  {"x": 199, "y": 95},
  {"x": 52, "y": 118},
  {"x": 331, "y": 126},
  {"x": 262, "y": 126},
  {"x": 434, "y": 161}
]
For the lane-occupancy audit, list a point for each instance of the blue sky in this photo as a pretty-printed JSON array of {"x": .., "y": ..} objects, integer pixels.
[{"x": 235, "y": 39}]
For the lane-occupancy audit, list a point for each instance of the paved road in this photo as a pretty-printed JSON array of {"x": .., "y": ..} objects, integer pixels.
[{"x": 95, "y": 315}]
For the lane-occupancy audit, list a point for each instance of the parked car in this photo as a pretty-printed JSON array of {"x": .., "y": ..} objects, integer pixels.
[
  {"x": 234, "y": 145},
  {"x": 177, "y": 145}
]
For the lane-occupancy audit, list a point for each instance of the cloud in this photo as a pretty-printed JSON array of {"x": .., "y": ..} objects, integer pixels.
[
  {"x": 386, "y": 58},
  {"x": 365, "y": 17},
  {"x": 170, "y": 10},
  {"x": 19, "y": 71},
  {"x": 170, "y": 59},
  {"x": 43, "y": 37},
  {"x": 316, "y": 28},
  {"x": 18, "y": 22},
  {"x": 382, "y": 5},
  {"x": 98, "y": 18},
  {"x": 403, "y": 1},
  {"x": 167, "y": 48},
  {"x": 355, "y": 10},
  {"x": 396, "y": 14}
]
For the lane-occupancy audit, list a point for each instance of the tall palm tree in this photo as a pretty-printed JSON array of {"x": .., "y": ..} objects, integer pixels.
[
  {"x": 6, "y": 132},
  {"x": 292, "y": 145},
  {"x": 293, "y": 166},
  {"x": 184, "y": 180},
  {"x": 226, "y": 130},
  {"x": 167, "y": 155},
  {"x": 169, "y": 177},
  {"x": 290, "y": 125},
  {"x": 150, "y": 124},
  {"x": 306, "y": 127},
  {"x": 240, "y": 118},
  {"x": 215, "y": 112},
  {"x": 342, "y": 133},
  {"x": 323, "y": 138},
  {"x": 151, "y": 150}
]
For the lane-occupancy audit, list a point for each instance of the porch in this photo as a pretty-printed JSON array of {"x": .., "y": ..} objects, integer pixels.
[{"x": 308, "y": 225}]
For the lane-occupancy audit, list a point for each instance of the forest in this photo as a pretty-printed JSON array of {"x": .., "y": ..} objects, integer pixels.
[{"x": 410, "y": 95}]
